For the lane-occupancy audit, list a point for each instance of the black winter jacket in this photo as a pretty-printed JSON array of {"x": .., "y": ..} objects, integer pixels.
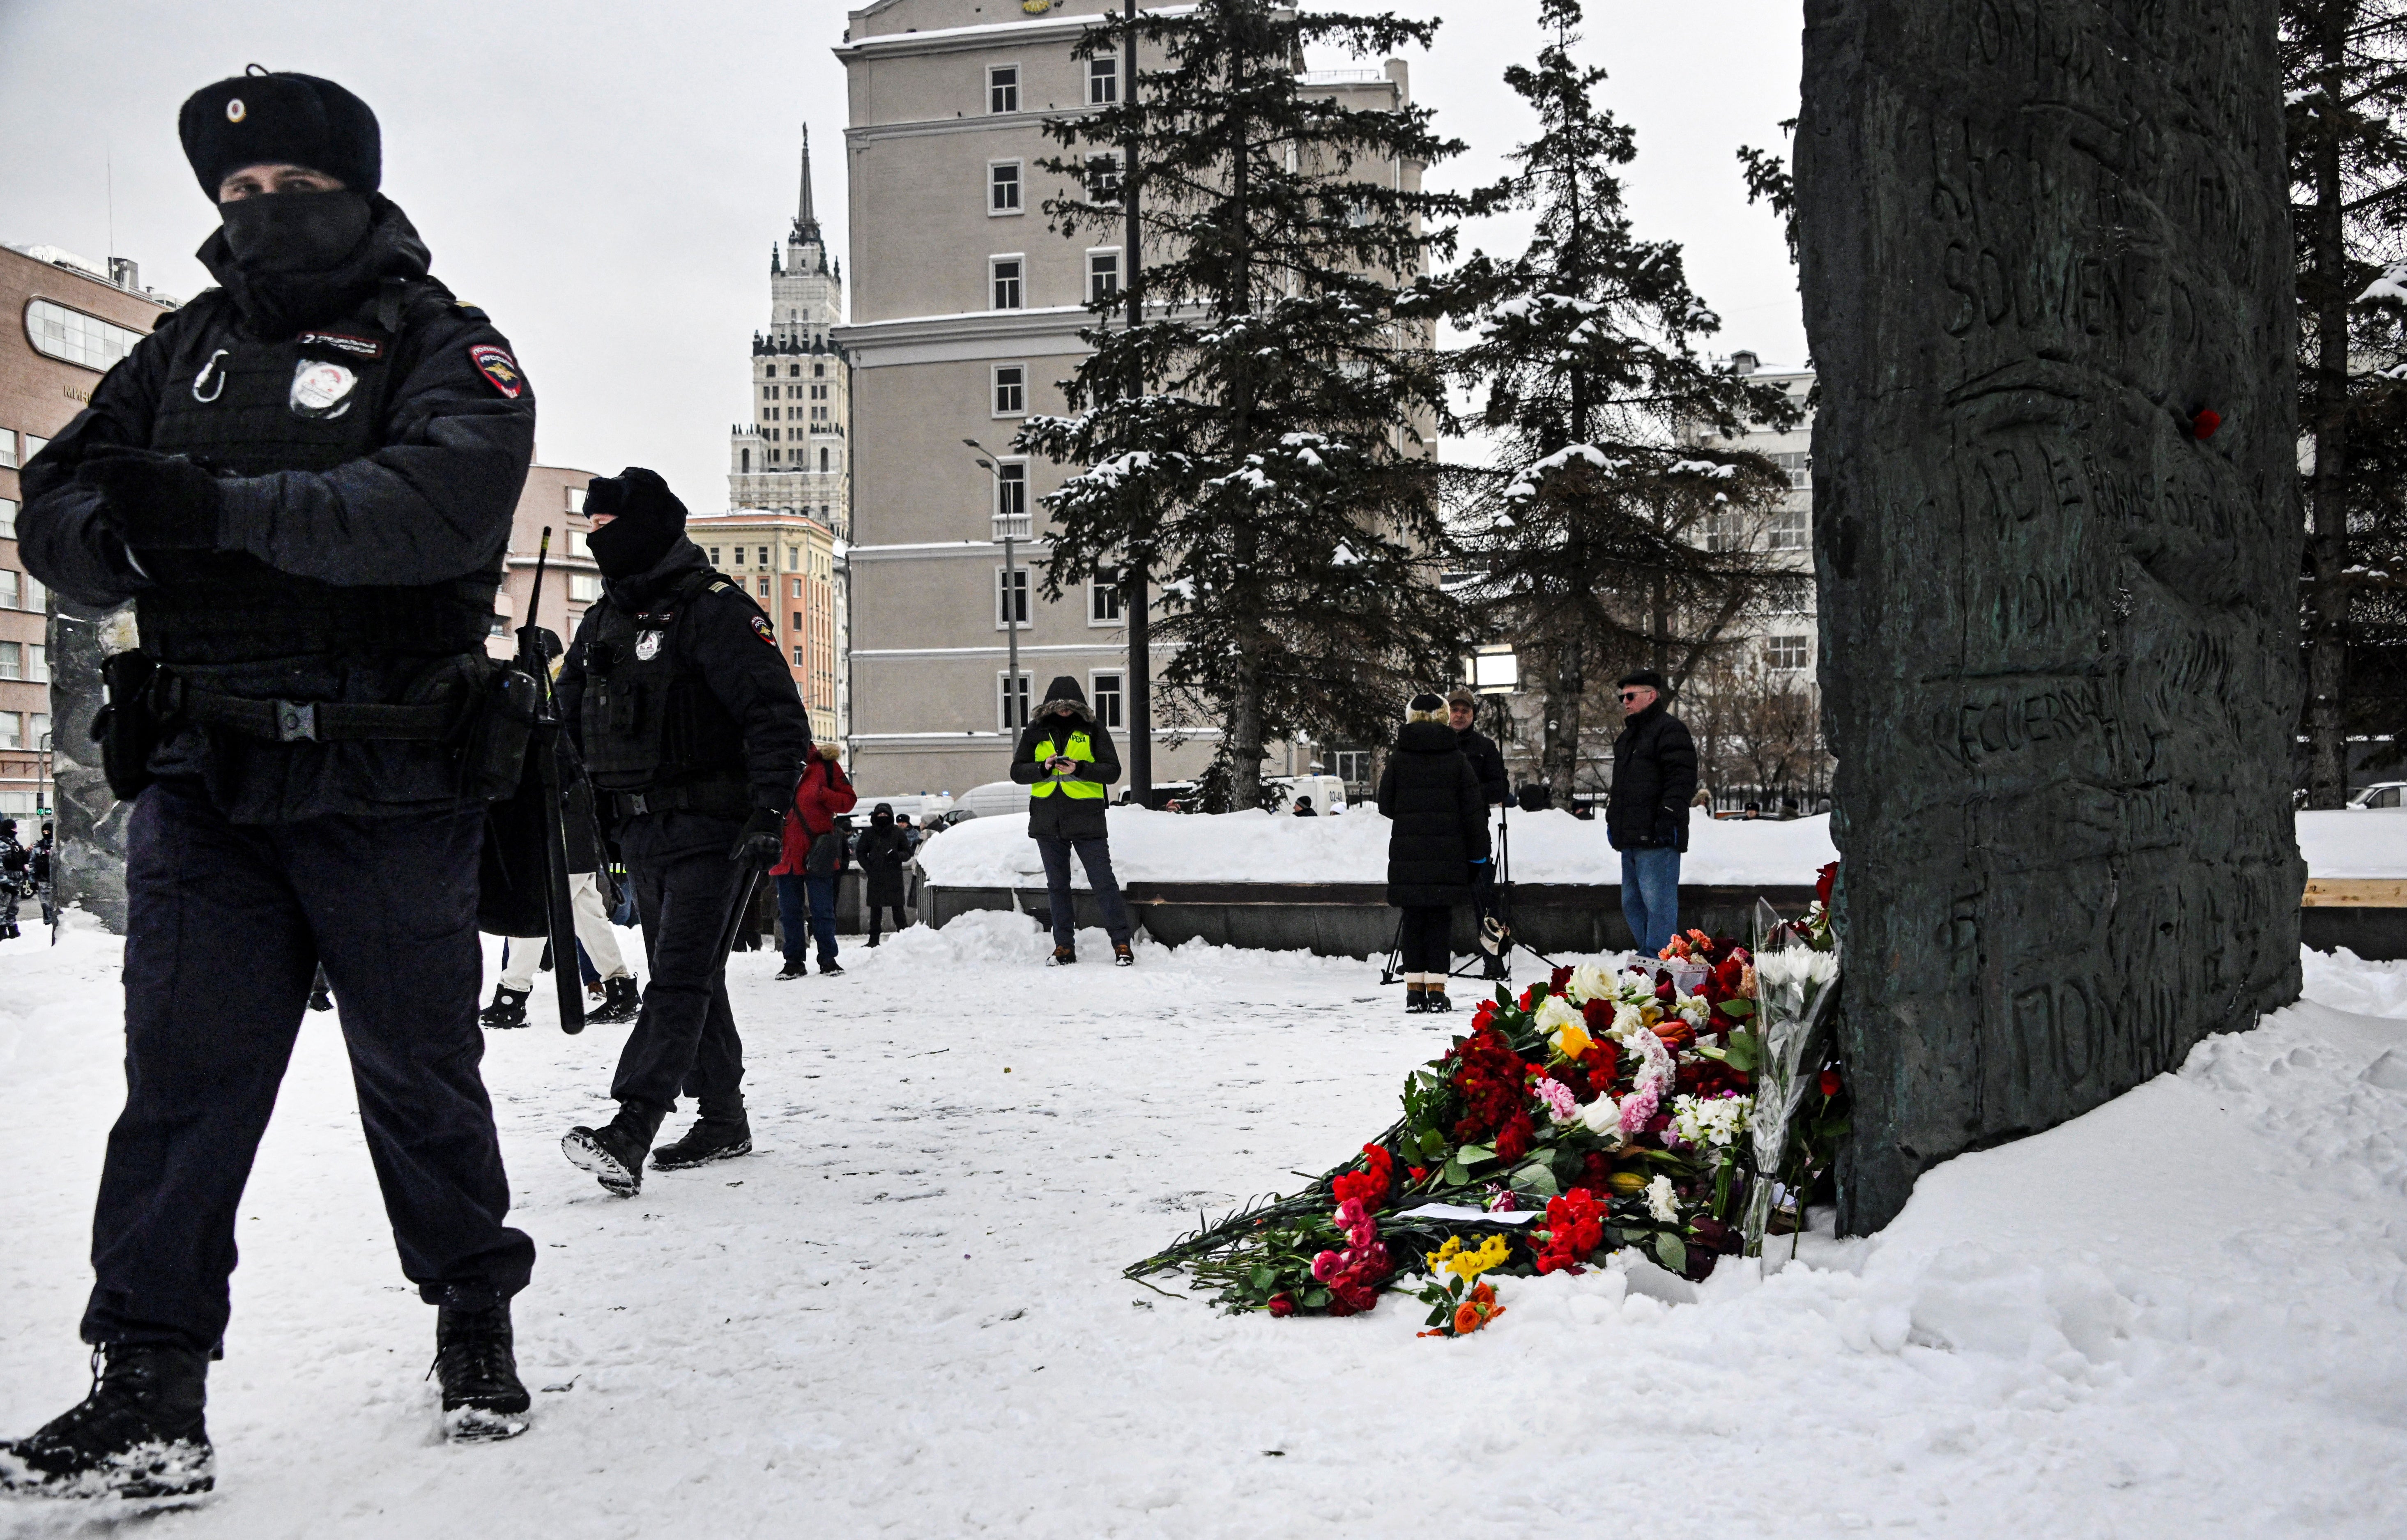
[
  {"x": 881, "y": 852},
  {"x": 1654, "y": 775},
  {"x": 1487, "y": 760},
  {"x": 1057, "y": 815},
  {"x": 738, "y": 661},
  {"x": 430, "y": 504},
  {"x": 1432, "y": 794}
]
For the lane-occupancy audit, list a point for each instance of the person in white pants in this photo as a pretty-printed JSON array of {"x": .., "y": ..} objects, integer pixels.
[{"x": 619, "y": 1003}]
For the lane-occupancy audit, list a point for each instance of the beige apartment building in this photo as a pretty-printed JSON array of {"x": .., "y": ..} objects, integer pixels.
[
  {"x": 966, "y": 310},
  {"x": 68, "y": 320},
  {"x": 790, "y": 563},
  {"x": 553, "y": 498}
]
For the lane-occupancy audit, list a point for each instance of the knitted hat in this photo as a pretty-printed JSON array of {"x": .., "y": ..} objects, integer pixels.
[
  {"x": 275, "y": 118},
  {"x": 1425, "y": 707}
]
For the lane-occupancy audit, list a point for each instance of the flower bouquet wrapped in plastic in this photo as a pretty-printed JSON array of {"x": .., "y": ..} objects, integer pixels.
[{"x": 1795, "y": 982}]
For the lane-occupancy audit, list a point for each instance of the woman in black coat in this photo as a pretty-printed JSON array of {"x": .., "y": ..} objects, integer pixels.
[
  {"x": 881, "y": 852},
  {"x": 1432, "y": 796}
]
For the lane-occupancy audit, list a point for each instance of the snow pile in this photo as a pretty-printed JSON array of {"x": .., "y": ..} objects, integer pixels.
[
  {"x": 2183, "y": 1315},
  {"x": 1548, "y": 846}
]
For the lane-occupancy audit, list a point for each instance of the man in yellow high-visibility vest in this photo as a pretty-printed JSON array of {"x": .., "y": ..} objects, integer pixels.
[{"x": 1066, "y": 758}]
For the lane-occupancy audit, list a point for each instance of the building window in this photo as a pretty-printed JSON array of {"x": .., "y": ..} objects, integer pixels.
[
  {"x": 793, "y": 558},
  {"x": 34, "y": 444},
  {"x": 1003, "y": 88},
  {"x": 11, "y": 734},
  {"x": 819, "y": 371},
  {"x": 1792, "y": 528},
  {"x": 39, "y": 728},
  {"x": 1011, "y": 597},
  {"x": 798, "y": 620},
  {"x": 713, "y": 554},
  {"x": 12, "y": 660},
  {"x": 1104, "y": 690},
  {"x": 1003, "y": 187},
  {"x": 1011, "y": 498},
  {"x": 1102, "y": 275},
  {"x": 1785, "y": 652},
  {"x": 1104, "y": 599},
  {"x": 1102, "y": 178},
  {"x": 761, "y": 588},
  {"x": 1353, "y": 767},
  {"x": 1005, "y": 273},
  {"x": 7, "y": 449},
  {"x": 823, "y": 459},
  {"x": 798, "y": 589},
  {"x": 1103, "y": 79},
  {"x": 1010, "y": 389},
  {"x": 1723, "y": 531},
  {"x": 38, "y": 663},
  {"x": 73, "y": 338},
  {"x": 1800, "y": 467},
  {"x": 7, "y": 519},
  {"x": 8, "y": 589},
  {"x": 575, "y": 499},
  {"x": 1005, "y": 717},
  {"x": 583, "y": 588}
]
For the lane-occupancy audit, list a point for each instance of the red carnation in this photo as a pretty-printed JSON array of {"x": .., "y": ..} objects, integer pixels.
[
  {"x": 1282, "y": 1305},
  {"x": 1574, "y": 1228},
  {"x": 1561, "y": 981},
  {"x": 1823, "y": 882}
]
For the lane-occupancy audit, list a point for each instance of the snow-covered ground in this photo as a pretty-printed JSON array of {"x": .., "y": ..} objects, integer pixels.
[
  {"x": 2183, "y": 1315},
  {"x": 1549, "y": 846}
]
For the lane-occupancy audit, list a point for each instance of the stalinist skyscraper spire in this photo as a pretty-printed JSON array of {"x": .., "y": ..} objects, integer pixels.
[
  {"x": 794, "y": 454},
  {"x": 806, "y": 223}
]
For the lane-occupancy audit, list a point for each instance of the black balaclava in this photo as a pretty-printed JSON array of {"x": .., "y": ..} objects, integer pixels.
[
  {"x": 882, "y": 815},
  {"x": 296, "y": 232},
  {"x": 646, "y": 519}
]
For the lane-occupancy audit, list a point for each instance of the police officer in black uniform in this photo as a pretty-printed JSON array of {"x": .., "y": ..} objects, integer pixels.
[
  {"x": 693, "y": 736},
  {"x": 303, "y": 480},
  {"x": 16, "y": 862}
]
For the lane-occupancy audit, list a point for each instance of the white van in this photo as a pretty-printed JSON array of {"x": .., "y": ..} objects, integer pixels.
[
  {"x": 918, "y": 806},
  {"x": 995, "y": 799},
  {"x": 1328, "y": 792}
]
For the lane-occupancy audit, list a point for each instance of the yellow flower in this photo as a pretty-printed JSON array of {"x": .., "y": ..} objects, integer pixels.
[
  {"x": 1467, "y": 1265},
  {"x": 1570, "y": 1040}
]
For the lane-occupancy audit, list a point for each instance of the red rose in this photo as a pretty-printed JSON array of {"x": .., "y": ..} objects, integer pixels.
[
  {"x": 1282, "y": 1305},
  {"x": 1829, "y": 1082},
  {"x": 1419, "y": 1173},
  {"x": 1561, "y": 980},
  {"x": 1823, "y": 882}
]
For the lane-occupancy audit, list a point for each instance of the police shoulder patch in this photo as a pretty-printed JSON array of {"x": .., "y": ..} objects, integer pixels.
[
  {"x": 463, "y": 307},
  {"x": 499, "y": 368},
  {"x": 768, "y": 632}
]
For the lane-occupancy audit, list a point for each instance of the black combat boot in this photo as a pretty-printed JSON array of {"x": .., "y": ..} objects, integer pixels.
[
  {"x": 508, "y": 1009},
  {"x": 139, "y": 1435},
  {"x": 1437, "y": 1000},
  {"x": 482, "y": 1398},
  {"x": 1415, "y": 1000},
  {"x": 615, "y": 1152},
  {"x": 1063, "y": 957},
  {"x": 795, "y": 968},
  {"x": 621, "y": 1000},
  {"x": 714, "y": 1136}
]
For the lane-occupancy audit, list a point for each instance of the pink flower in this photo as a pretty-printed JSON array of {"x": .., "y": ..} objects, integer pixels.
[
  {"x": 1561, "y": 1104},
  {"x": 1325, "y": 1266},
  {"x": 1351, "y": 1214},
  {"x": 1637, "y": 1112}
]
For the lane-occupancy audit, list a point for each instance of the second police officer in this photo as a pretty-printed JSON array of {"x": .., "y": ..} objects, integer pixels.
[
  {"x": 694, "y": 733},
  {"x": 303, "y": 480}
]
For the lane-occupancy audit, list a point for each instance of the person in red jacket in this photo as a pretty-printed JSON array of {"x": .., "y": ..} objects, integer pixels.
[{"x": 825, "y": 792}]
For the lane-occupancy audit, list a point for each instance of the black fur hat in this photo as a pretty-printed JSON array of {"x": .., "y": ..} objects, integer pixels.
[{"x": 267, "y": 119}]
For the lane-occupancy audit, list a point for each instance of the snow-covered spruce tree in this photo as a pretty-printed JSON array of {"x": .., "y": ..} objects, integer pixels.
[
  {"x": 1259, "y": 444},
  {"x": 2346, "y": 68},
  {"x": 1613, "y": 529}
]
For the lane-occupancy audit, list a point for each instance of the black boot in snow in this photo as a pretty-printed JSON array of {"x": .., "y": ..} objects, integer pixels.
[
  {"x": 795, "y": 967},
  {"x": 621, "y": 1001},
  {"x": 615, "y": 1152},
  {"x": 1437, "y": 1000},
  {"x": 1121, "y": 956},
  {"x": 712, "y": 1137},
  {"x": 139, "y": 1435},
  {"x": 509, "y": 1009},
  {"x": 1415, "y": 1000},
  {"x": 482, "y": 1398},
  {"x": 1063, "y": 957}
]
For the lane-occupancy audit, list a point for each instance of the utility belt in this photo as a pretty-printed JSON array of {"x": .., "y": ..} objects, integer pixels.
[
  {"x": 489, "y": 726},
  {"x": 717, "y": 797}
]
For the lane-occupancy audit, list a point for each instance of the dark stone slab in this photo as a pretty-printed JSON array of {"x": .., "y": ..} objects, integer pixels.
[{"x": 2058, "y": 631}]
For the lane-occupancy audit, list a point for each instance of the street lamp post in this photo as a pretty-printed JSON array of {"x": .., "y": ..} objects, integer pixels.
[{"x": 1015, "y": 704}]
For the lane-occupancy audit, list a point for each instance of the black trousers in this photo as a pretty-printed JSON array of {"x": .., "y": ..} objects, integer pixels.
[
  {"x": 1427, "y": 940},
  {"x": 877, "y": 909},
  {"x": 685, "y": 1040},
  {"x": 226, "y": 925}
]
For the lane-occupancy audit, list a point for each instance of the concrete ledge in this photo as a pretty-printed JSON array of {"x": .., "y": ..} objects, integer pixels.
[{"x": 2369, "y": 916}]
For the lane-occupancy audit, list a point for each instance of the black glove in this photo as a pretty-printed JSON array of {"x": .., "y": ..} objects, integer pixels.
[
  {"x": 154, "y": 501},
  {"x": 762, "y": 840}
]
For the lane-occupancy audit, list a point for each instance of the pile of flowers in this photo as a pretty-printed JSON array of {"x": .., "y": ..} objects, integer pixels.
[{"x": 1601, "y": 1109}]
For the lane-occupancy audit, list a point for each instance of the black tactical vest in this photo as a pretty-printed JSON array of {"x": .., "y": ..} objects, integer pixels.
[
  {"x": 650, "y": 721},
  {"x": 308, "y": 404}
]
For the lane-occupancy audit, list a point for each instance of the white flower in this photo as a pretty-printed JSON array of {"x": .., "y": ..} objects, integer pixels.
[
  {"x": 1626, "y": 1021},
  {"x": 1661, "y": 1202},
  {"x": 1716, "y": 1121},
  {"x": 1603, "y": 1118},
  {"x": 1555, "y": 1013},
  {"x": 1693, "y": 1009},
  {"x": 1589, "y": 982}
]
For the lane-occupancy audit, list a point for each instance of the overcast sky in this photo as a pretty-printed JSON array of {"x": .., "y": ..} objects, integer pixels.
[{"x": 607, "y": 176}]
